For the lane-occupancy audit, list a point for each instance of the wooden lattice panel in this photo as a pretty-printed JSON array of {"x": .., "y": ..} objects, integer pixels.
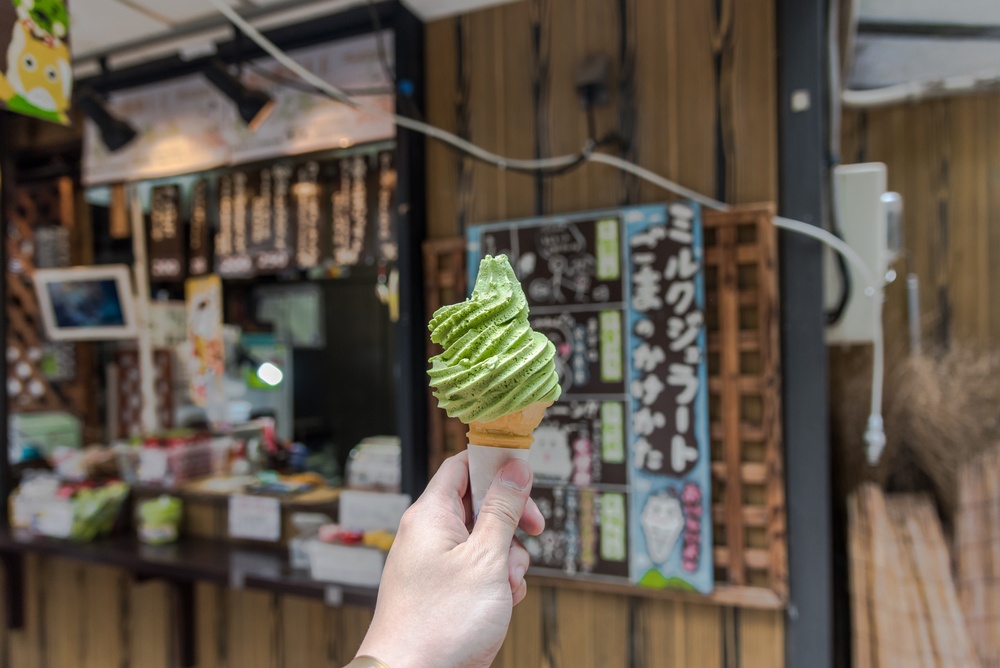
[
  {"x": 744, "y": 397},
  {"x": 45, "y": 204},
  {"x": 444, "y": 283},
  {"x": 129, "y": 391}
]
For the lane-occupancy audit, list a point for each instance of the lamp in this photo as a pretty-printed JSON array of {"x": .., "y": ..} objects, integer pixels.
[
  {"x": 115, "y": 132},
  {"x": 253, "y": 105},
  {"x": 267, "y": 372}
]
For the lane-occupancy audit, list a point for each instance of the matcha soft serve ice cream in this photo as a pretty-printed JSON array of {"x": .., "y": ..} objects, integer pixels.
[{"x": 495, "y": 373}]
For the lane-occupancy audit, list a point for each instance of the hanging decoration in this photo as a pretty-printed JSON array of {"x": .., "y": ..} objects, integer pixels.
[{"x": 36, "y": 78}]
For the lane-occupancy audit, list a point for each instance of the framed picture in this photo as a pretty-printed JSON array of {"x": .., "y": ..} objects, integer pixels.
[{"x": 86, "y": 303}]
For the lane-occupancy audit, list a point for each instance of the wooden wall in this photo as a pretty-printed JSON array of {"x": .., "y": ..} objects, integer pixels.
[
  {"x": 701, "y": 106},
  {"x": 943, "y": 156},
  {"x": 702, "y": 111}
]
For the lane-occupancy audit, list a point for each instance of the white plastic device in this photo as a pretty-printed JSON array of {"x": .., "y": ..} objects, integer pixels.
[{"x": 869, "y": 219}]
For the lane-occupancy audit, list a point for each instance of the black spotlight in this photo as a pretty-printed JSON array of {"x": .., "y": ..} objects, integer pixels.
[
  {"x": 253, "y": 105},
  {"x": 115, "y": 132}
]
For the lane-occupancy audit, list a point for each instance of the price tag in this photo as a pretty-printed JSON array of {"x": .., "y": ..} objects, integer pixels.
[
  {"x": 333, "y": 596},
  {"x": 254, "y": 517},
  {"x": 55, "y": 519}
]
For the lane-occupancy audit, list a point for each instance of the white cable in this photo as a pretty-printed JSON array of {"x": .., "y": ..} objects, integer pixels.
[
  {"x": 657, "y": 180},
  {"x": 875, "y": 436},
  {"x": 402, "y": 121}
]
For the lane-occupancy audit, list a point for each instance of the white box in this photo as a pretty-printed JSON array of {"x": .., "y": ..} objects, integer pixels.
[
  {"x": 864, "y": 223},
  {"x": 345, "y": 564},
  {"x": 372, "y": 511}
]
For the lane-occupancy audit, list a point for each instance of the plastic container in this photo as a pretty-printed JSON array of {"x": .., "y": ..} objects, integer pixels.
[{"x": 307, "y": 527}]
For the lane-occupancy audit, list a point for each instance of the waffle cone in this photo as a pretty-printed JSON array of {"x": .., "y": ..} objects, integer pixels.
[{"x": 513, "y": 430}]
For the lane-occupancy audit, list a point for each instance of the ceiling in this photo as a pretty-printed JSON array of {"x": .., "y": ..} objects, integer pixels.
[
  {"x": 895, "y": 41},
  {"x": 132, "y": 31},
  {"x": 955, "y": 42}
]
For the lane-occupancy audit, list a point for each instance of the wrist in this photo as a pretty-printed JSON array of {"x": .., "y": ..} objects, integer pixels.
[{"x": 365, "y": 661}]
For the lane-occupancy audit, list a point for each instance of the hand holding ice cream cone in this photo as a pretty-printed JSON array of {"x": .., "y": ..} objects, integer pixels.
[{"x": 495, "y": 373}]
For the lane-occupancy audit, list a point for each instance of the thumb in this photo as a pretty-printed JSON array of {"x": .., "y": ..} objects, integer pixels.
[{"x": 503, "y": 506}]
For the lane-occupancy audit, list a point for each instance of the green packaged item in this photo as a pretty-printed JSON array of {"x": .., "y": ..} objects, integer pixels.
[{"x": 159, "y": 520}]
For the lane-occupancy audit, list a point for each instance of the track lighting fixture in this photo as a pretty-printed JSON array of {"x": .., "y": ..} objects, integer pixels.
[
  {"x": 253, "y": 105},
  {"x": 115, "y": 132}
]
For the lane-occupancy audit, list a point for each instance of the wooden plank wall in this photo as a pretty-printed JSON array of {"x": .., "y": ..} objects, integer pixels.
[
  {"x": 943, "y": 156},
  {"x": 702, "y": 109}
]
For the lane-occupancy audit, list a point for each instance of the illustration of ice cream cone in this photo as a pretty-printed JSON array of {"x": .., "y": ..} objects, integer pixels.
[{"x": 495, "y": 373}]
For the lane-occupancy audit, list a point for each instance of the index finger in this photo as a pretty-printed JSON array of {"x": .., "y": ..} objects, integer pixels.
[{"x": 451, "y": 482}]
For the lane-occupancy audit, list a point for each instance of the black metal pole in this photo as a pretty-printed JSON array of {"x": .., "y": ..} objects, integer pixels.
[
  {"x": 13, "y": 564},
  {"x": 802, "y": 165},
  {"x": 6, "y": 198},
  {"x": 411, "y": 330}
]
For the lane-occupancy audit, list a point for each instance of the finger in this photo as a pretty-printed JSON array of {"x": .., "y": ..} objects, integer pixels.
[
  {"x": 517, "y": 564},
  {"x": 532, "y": 521},
  {"x": 521, "y": 592},
  {"x": 503, "y": 506},
  {"x": 451, "y": 482}
]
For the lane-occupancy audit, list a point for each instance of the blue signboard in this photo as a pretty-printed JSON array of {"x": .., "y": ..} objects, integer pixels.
[{"x": 621, "y": 461}]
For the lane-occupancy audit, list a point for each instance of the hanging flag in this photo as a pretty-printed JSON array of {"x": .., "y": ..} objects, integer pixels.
[{"x": 36, "y": 77}]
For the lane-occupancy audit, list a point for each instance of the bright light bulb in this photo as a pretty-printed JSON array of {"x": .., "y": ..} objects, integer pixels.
[{"x": 270, "y": 374}]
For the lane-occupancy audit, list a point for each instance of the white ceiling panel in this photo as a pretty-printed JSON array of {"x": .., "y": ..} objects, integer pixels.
[
  {"x": 886, "y": 61},
  {"x": 100, "y": 24},
  {"x": 429, "y": 10},
  {"x": 180, "y": 11},
  {"x": 133, "y": 31},
  {"x": 962, "y": 12}
]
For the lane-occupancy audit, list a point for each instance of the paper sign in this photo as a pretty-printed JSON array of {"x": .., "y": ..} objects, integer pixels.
[
  {"x": 254, "y": 517},
  {"x": 621, "y": 461},
  {"x": 55, "y": 519},
  {"x": 372, "y": 511},
  {"x": 206, "y": 352}
]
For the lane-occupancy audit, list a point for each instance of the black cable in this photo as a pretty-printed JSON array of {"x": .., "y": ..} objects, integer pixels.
[
  {"x": 299, "y": 85},
  {"x": 834, "y": 315},
  {"x": 383, "y": 59}
]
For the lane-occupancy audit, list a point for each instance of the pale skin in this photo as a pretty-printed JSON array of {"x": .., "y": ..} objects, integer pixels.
[{"x": 447, "y": 593}]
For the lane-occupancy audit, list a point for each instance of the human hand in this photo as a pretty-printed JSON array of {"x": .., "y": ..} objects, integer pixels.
[{"x": 446, "y": 594}]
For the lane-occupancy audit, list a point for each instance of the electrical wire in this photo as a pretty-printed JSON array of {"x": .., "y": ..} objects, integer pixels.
[
  {"x": 402, "y": 121},
  {"x": 874, "y": 436},
  {"x": 875, "y": 433},
  {"x": 387, "y": 68},
  {"x": 295, "y": 84}
]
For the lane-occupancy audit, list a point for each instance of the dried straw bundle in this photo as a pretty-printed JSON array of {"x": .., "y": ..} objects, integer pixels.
[{"x": 944, "y": 410}]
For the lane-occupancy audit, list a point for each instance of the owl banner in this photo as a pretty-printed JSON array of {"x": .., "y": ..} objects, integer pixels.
[{"x": 36, "y": 77}]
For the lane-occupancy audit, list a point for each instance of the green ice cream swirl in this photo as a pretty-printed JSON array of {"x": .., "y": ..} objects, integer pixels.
[{"x": 493, "y": 362}]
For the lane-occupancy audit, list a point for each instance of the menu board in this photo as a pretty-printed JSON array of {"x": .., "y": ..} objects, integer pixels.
[
  {"x": 314, "y": 215},
  {"x": 307, "y": 198},
  {"x": 200, "y": 231},
  {"x": 232, "y": 251},
  {"x": 622, "y": 459},
  {"x": 270, "y": 231},
  {"x": 166, "y": 239}
]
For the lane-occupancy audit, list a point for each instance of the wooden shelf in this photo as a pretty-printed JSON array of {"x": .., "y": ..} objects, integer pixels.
[
  {"x": 759, "y": 598},
  {"x": 181, "y": 564},
  {"x": 193, "y": 559}
]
